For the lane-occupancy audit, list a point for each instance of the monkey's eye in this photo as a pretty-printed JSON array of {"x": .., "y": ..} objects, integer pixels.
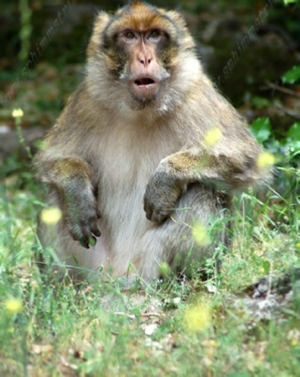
[
  {"x": 129, "y": 35},
  {"x": 154, "y": 35}
]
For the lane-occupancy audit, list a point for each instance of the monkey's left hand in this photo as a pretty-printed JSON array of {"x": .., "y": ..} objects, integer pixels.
[
  {"x": 161, "y": 195},
  {"x": 81, "y": 214}
]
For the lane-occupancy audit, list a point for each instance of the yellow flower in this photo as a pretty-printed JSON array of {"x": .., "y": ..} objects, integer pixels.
[
  {"x": 265, "y": 160},
  {"x": 13, "y": 305},
  {"x": 51, "y": 215},
  {"x": 294, "y": 342},
  {"x": 212, "y": 137},
  {"x": 164, "y": 269},
  {"x": 294, "y": 337},
  {"x": 200, "y": 235},
  {"x": 197, "y": 317},
  {"x": 17, "y": 113}
]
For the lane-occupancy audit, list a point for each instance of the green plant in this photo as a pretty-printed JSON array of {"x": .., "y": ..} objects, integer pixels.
[{"x": 26, "y": 29}]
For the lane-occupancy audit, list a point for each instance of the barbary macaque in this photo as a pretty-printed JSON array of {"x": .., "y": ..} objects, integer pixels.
[{"x": 146, "y": 153}]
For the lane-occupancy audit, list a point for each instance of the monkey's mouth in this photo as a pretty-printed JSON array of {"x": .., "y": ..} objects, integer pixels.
[
  {"x": 145, "y": 81},
  {"x": 144, "y": 88}
]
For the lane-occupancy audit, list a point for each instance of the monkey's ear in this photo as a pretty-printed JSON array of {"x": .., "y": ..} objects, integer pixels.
[
  {"x": 185, "y": 37},
  {"x": 101, "y": 21},
  {"x": 177, "y": 18}
]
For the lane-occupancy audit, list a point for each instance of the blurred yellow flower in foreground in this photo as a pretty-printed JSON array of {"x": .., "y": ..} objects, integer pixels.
[
  {"x": 197, "y": 317},
  {"x": 212, "y": 137},
  {"x": 17, "y": 113},
  {"x": 164, "y": 269},
  {"x": 13, "y": 305},
  {"x": 265, "y": 160},
  {"x": 200, "y": 235},
  {"x": 51, "y": 215}
]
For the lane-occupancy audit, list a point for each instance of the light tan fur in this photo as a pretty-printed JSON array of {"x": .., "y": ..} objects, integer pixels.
[{"x": 109, "y": 153}]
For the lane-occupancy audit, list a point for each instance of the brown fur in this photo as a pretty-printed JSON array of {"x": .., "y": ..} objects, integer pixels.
[{"x": 117, "y": 145}]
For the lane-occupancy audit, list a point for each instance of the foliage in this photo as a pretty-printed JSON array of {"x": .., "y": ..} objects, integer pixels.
[
  {"x": 290, "y": 144},
  {"x": 287, "y": 156},
  {"x": 51, "y": 327},
  {"x": 25, "y": 30},
  {"x": 261, "y": 128},
  {"x": 292, "y": 76},
  {"x": 57, "y": 328},
  {"x": 287, "y": 2}
]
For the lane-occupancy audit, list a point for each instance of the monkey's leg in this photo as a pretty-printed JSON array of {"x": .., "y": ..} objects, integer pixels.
[{"x": 197, "y": 229}]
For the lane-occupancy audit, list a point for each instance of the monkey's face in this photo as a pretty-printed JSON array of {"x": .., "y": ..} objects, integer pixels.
[
  {"x": 138, "y": 52},
  {"x": 140, "y": 48},
  {"x": 143, "y": 71}
]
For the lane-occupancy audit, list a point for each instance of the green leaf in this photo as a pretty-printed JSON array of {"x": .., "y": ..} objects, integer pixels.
[
  {"x": 266, "y": 265},
  {"x": 293, "y": 138},
  {"x": 294, "y": 131},
  {"x": 261, "y": 129},
  {"x": 292, "y": 76},
  {"x": 260, "y": 102}
]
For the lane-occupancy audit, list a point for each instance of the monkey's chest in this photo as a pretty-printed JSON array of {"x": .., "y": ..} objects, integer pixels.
[
  {"x": 126, "y": 164},
  {"x": 122, "y": 185},
  {"x": 128, "y": 156}
]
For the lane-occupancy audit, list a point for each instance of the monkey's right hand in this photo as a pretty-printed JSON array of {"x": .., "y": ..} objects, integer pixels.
[{"x": 81, "y": 214}]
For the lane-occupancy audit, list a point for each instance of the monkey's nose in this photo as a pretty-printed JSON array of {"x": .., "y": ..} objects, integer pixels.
[{"x": 145, "y": 60}]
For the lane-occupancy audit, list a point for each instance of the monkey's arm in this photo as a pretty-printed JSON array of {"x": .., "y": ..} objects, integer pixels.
[
  {"x": 70, "y": 178},
  {"x": 225, "y": 172}
]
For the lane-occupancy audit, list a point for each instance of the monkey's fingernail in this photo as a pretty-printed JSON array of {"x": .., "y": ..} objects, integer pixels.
[
  {"x": 96, "y": 232},
  {"x": 84, "y": 243}
]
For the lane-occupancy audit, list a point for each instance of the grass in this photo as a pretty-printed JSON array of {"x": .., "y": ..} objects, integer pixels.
[{"x": 55, "y": 328}]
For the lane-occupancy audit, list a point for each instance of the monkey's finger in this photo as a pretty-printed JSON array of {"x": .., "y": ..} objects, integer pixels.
[
  {"x": 88, "y": 235},
  {"x": 150, "y": 211},
  {"x": 98, "y": 214},
  {"x": 95, "y": 230},
  {"x": 84, "y": 242},
  {"x": 159, "y": 216},
  {"x": 154, "y": 216},
  {"x": 148, "y": 208},
  {"x": 78, "y": 234}
]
